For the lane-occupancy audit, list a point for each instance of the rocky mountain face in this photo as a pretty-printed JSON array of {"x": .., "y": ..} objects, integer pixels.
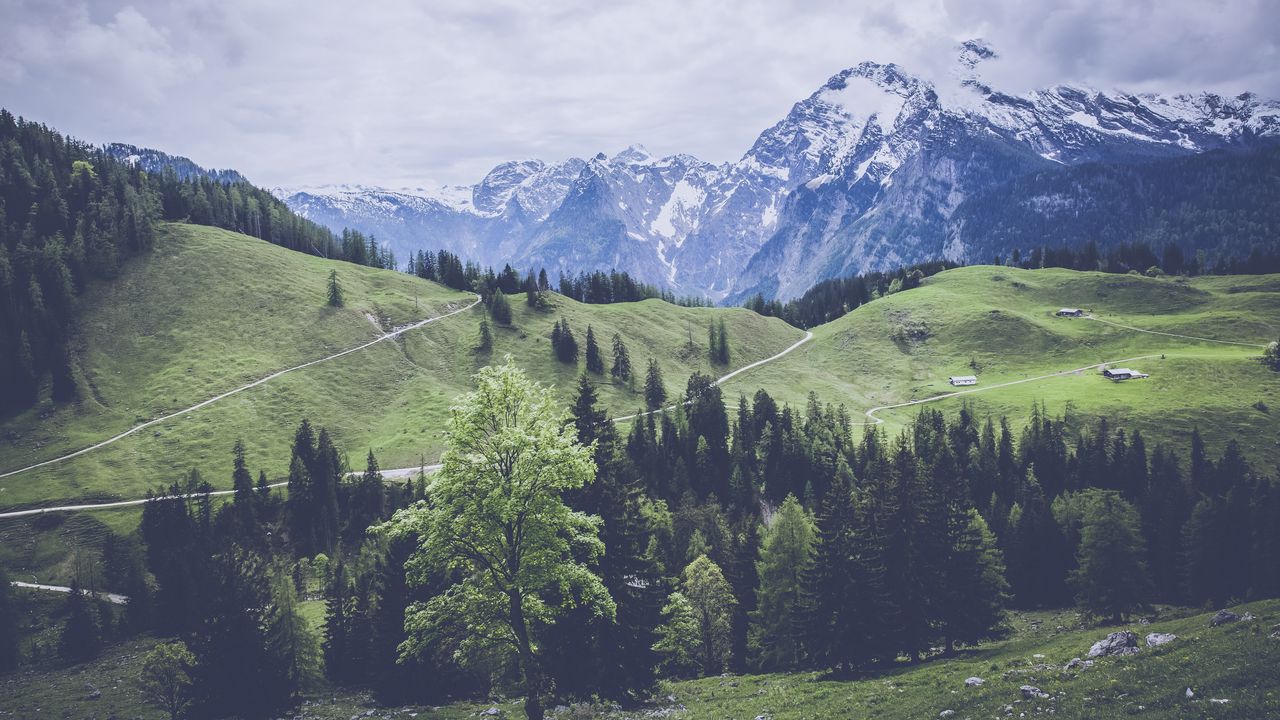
[{"x": 867, "y": 173}]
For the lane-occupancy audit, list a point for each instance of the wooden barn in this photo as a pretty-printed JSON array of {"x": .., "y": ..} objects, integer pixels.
[{"x": 1122, "y": 374}]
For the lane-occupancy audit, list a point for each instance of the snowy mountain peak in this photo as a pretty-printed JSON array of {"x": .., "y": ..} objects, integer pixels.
[
  {"x": 633, "y": 155},
  {"x": 865, "y": 173}
]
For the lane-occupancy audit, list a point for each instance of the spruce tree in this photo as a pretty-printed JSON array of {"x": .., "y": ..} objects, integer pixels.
[
  {"x": 290, "y": 639},
  {"x": 621, "y": 369},
  {"x": 235, "y": 674},
  {"x": 843, "y": 601},
  {"x": 485, "y": 345},
  {"x": 974, "y": 593},
  {"x": 81, "y": 637},
  {"x": 339, "y": 644},
  {"x": 595, "y": 362},
  {"x": 9, "y": 653},
  {"x": 655, "y": 392},
  {"x": 335, "y": 290},
  {"x": 785, "y": 555},
  {"x": 500, "y": 308},
  {"x": 1111, "y": 578}
]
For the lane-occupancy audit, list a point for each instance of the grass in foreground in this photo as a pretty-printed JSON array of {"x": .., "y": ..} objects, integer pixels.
[{"x": 1236, "y": 662}]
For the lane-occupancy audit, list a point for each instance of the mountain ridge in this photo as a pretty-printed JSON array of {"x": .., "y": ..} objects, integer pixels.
[{"x": 864, "y": 174}]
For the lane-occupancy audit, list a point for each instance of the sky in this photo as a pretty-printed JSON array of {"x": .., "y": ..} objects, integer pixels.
[{"x": 406, "y": 94}]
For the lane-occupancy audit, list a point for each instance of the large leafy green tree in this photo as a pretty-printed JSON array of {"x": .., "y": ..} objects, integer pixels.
[
  {"x": 165, "y": 680},
  {"x": 497, "y": 520},
  {"x": 784, "y": 558},
  {"x": 710, "y": 596}
]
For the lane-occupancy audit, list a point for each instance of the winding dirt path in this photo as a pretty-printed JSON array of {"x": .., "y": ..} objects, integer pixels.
[
  {"x": 807, "y": 337},
  {"x": 1095, "y": 318},
  {"x": 109, "y": 597},
  {"x": 386, "y": 336},
  {"x": 876, "y": 421}
]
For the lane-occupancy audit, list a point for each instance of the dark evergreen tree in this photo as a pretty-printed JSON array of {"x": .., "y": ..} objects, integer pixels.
[
  {"x": 236, "y": 675},
  {"x": 621, "y": 369},
  {"x": 81, "y": 637},
  {"x": 9, "y": 651},
  {"x": 335, "y": 290},
  {"x": 655, "y": 392},
  {"x": 485, "y": 344},
  {"x": 595, "y": 361},
  {"x": 500, "y": 308}
]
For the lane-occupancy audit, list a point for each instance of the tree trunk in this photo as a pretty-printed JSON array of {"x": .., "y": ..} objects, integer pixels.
[{"x": 528, "y": 663}]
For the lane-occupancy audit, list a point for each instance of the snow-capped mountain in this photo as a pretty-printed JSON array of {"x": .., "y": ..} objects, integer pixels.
[{"x": 866, "y": 173}]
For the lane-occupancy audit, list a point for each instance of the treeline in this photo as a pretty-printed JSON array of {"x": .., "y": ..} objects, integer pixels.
[
  {"x": 1141, "y": 257},
  {"x": 831, "y": 299},
  {"x": 595, "y": 288},
  {"x": 70, "y": 213}
]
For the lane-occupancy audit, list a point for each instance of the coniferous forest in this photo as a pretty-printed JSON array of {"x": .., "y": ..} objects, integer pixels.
[{"x": 765, "y": 538}]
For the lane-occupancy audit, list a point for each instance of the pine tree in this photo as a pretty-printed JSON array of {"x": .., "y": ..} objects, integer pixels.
[
  {"x": 563, "y": 344},
  {"x": 335, "y": 290},
  {"x": 500, "y": 308},
  {"x": 81, "y": 637},
  {"x": 1111, "y": 578},
  {"x": 655, "y": 393},
  {"x": 235, "y": 675},
  {"x": 843, "y": 599},
  {"x": 785, "y": 555},
  {"x": 289, "y": 638},
  {"x": 621, "y": 369},
  {"x": 974, "y": 590},
  {"x": 339, "y": 643},
  {"x": 9, "y": 653},
  {"x": 595, "y": 363},
  {"x": 485, "y": 345}
]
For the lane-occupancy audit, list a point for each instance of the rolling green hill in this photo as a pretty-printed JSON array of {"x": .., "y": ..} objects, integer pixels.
[
  {"x": 210, "y": 310},
  {"x": 904, "y": 347}
]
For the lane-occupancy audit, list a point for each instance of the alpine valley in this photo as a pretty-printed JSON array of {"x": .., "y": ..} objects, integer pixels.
[{"x": 876, "y": 169}]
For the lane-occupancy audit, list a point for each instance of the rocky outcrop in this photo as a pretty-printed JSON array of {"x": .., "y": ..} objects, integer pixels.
[{"x": 1117, "y": 643}]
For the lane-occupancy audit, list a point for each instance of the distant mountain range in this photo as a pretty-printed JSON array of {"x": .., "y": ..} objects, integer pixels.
[{"x": 876, "y": 169}]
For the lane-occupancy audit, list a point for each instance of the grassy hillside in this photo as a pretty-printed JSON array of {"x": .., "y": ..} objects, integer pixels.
[
  {"x": 210, "y": 310},
  {"x": 904, "y": 347},
  {"x": 1235, "y": 662}
]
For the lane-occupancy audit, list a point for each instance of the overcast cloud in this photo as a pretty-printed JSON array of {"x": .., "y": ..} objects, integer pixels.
[{"x": 407, "y": 94}]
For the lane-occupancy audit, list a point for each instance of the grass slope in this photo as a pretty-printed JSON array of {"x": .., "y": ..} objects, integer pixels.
[
  {"x": 1235, "y": 662},
  {"x": 210, "y": 310},
  {"x": 905, "y": 346}
]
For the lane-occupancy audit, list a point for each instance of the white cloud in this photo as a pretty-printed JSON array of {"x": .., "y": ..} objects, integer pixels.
[{"x": 408, "y": 93}]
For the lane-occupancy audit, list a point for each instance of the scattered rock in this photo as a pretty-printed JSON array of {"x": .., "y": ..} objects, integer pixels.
[
  {"x": 1222, "y": 617},
  {"x": 762, "y": 717},
  {"x": 1038, "y": 656},
  {"x": 973, "y": 682},
  {"x": 1219, "y": 701},
  {"x": 491, "y": 712},
  {"x": 1078, "y": 664},
  {"x": 1190, "y": 694},
  {"x": 1248, "y": 617},
  {"x": 1031, "y": 692},
  {"x": 1117, "y": 643},
  {"x": 946, "y": 713},
  {"x": 1158, "y": 639}
]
